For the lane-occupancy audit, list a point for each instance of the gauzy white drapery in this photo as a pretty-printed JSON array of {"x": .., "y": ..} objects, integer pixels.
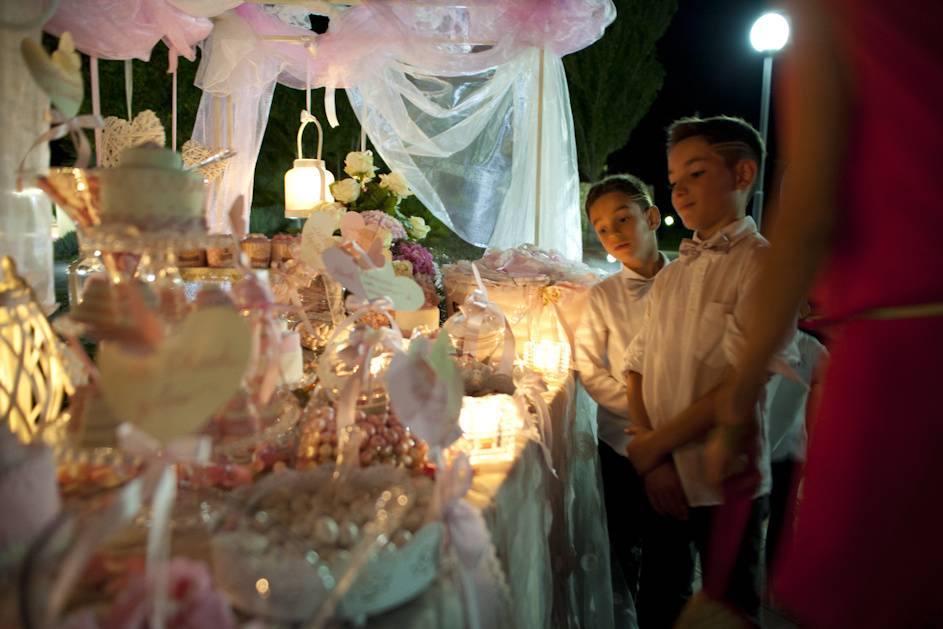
[{"x": 468, "y": 144}]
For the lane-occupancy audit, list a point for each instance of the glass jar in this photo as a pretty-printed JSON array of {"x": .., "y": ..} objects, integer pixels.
[{"x": 87, "y": 264}]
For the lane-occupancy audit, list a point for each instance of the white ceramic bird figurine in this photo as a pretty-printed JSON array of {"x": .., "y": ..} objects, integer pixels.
[{"x": 59, "y": 75}]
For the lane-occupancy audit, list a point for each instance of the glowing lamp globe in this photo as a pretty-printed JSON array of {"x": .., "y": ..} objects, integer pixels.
[
  {"x": 770, "y": 33},
  {"x": 307, "y": 184}
]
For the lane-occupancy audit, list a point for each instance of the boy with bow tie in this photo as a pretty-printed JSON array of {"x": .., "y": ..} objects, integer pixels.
[
  {"x": 621, "y": 211},
  {"x": 682, "y": 356}
]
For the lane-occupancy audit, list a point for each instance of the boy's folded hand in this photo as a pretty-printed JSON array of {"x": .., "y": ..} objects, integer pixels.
[
  {"x": 663, "y": 487},
  {"x": 642, "y": 450}
]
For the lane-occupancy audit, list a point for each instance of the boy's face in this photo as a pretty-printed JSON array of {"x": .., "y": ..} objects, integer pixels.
[
  {"x": 624, "y": 229},
  {"x": 705, "y": 192}
]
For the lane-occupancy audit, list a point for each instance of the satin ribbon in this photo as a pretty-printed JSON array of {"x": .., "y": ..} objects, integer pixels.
[
  {"x": 172, "y": 70},
  {"x": 530, "y": 388},
  {"x": 160, "y": 485},
  {"x": 96, "y": 105},
  {"x": 129, "y": 86},
  {"x": 100, "y": 526},
  {"x": 60, "y": 127},
  {"x": 330, "y": 109},
  {"x": 689, "y": 249},
  {"x": 468, "y": 535}
]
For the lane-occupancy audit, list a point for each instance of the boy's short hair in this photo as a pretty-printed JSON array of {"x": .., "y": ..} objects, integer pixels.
[
  {"x": 629, "y": 185},
  {"x": 733, "y": 138}
]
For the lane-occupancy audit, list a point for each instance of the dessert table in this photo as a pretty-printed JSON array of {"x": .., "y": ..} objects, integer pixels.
[{"x": 549, "y": 533}]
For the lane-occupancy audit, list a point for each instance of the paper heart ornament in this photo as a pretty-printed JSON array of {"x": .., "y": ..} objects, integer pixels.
[
  {"x": 317, "y": 236},
  {"x": 344, "y": 270},
  {"x": 426, "y": 388},
  {"x": 372, "y": 283},
  {"x": 404, "y": 292},
  {"x": 119, "y": 134},
  {"x": 371, "y": 239},
  {"x": 58, "y": 75},
  {"x": 173, "y": 390}
]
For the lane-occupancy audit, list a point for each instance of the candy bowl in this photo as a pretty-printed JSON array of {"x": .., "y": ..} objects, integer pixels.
[
  {"x": 327, "y": 542},
  {"x": 386, "y": 440},
  {"x": 84, "y": 473}
]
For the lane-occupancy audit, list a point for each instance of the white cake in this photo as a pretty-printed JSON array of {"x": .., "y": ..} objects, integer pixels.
[
  {"x": 29, "y": 496},
  {"x": 150, "y": 190}
]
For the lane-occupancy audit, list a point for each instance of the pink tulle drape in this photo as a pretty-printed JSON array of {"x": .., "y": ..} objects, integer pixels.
[
  {"x": 128, "y": 29},
  {"x": 361, "y": 38}
]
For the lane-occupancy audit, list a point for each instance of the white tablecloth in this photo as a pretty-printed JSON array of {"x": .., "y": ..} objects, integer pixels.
[{"x": 549, "y": 533}]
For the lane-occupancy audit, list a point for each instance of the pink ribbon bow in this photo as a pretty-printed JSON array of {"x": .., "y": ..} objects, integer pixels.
[{"x": 690, "y": 249}]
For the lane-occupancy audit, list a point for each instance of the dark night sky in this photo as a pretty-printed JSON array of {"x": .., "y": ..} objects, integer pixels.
[{"x": 710, "y": 68}]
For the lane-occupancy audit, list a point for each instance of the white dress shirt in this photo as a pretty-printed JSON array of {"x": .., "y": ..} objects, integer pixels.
[
  {"x": 614, "y": 314},
  {"x": 787, "y": 400},
  {"x": 692, "y": 336}
]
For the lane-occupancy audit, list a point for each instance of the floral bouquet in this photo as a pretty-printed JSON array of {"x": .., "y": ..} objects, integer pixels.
[{"x": 377, "y": 200}]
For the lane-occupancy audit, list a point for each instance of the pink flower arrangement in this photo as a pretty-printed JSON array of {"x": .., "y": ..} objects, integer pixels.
[
  {"x": 385, "y": 221},
  {"x": 419, "y": 256}
]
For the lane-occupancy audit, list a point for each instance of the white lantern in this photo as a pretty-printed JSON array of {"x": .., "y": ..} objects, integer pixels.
[
  {"x": 308, "y": 183},
  {"x": 490, "y": 425}
]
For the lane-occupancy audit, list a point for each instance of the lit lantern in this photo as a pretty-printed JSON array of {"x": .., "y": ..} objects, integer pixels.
[
  {"x": 33, "y": 382},
  {"x": 490, "y": 425},
  {"x": 308, "y": 183},
  {"x": 551, "y": 359}
]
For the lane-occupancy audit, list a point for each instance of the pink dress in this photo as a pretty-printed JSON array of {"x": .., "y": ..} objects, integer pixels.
[{"x": 867, "y": 550}]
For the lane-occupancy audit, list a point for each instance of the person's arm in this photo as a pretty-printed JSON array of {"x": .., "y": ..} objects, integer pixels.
[
  {"x": 814, "y": 119},
  {"x": 638, "y": 414},
  {"x": 592, "y": 363},
  {"x": 650, "y": 447}
]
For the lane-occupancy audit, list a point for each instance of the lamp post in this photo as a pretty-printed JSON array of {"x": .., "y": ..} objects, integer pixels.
[{"x": 769, "y": 34}]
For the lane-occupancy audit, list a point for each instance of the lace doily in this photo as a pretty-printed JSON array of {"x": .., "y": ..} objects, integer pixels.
[
  {"x": 120, "y": 134},
  {"x": 194, "y": 152}
]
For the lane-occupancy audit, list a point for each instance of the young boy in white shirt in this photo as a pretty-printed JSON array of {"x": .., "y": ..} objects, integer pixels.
[
  {"x": 621, "y": 211},
  {"x": 676, "y": 365}
]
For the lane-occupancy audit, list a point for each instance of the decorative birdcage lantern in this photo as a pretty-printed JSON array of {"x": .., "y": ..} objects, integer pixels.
[
  {"x": 33, "y": 382},
  {"x": 547, "y": 350},
  {"x": 490, "y": 425},
  {"x": 551, "y": 359}
]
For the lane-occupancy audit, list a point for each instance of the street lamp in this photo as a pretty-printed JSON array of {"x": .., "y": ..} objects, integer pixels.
[{"x": 769, "y": 34}]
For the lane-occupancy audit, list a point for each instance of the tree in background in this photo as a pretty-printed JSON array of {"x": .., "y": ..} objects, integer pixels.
[{"x": 614, "y": 82}]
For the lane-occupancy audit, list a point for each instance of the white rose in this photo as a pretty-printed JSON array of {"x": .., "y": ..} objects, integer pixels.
[
  {"x": 327, "y": 206},
  {"x": 417, "y": 228},
  {"x": 395, "y": 183},
  {"x": 346, "y": 190},
  {"x": 359, "y": 164}
]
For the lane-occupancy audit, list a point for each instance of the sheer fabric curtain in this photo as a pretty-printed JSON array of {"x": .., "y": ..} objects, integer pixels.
[{"x": 467, "y": 143}]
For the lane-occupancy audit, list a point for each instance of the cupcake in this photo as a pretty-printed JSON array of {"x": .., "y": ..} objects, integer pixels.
[
  {"x": 221, "y": 254},
  {"x": 191, "y": 258},
  {"x": 258, "y": 248},
  {"x": 281, "y": 247}
]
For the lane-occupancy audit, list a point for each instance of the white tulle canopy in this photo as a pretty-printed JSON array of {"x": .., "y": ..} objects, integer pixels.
[{"x": 468, "y": 101}]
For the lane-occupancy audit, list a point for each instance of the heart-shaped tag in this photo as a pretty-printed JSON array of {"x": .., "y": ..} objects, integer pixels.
[
  {"x": 426, "y": 390},
  {"x": 341, "y": 266},
  {"x": 174, "y": 389},
  {"x": 404, "y": 292},
  {"x": 317, "y": 235}
]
